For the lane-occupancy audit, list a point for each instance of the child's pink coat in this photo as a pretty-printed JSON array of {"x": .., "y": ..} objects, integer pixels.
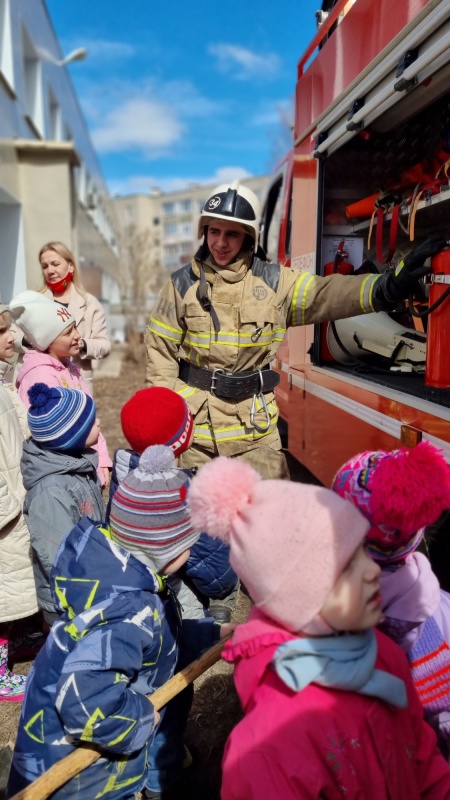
[
  {"x": 320, "y": 742},
  {"x": 43, "y": 368}
]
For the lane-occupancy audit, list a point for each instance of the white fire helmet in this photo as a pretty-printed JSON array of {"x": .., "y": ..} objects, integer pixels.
[{"x": 232, "y": 201}]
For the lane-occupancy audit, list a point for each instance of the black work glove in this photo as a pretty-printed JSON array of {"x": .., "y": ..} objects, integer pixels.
[{"x": 399, "y": 284}]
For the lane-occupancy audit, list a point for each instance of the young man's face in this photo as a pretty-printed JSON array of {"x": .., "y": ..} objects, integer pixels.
[
  {"x": 354, "y": 604},
  {"x": 224, "y": 240}
]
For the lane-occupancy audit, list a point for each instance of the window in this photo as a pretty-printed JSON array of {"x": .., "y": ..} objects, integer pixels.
[
  {"x": 129, "y": 213},
  {"x": 201, "y": 203},
  {"x": 271, "y": 220},
  {"x": 186, "y": 228},
  {"x": 168, "y": 208},
  {"x": 185, "y": 206},
  {"x": 54, "y": 117},
  {"x": 170, "y": 255},
  {"x": 32, "y": 85},
  {"x": 187, "y": 248},
  {"x": 170, "y": 229},
  {"x": 6, "y": 53},
  {"x": 156, "y": 220},
  {"x": 91, "y": 194},
  {"x": 170, "y": 250}
]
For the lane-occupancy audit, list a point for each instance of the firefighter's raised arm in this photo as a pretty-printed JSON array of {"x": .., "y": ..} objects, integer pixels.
[{"x": 399, "y": 283}]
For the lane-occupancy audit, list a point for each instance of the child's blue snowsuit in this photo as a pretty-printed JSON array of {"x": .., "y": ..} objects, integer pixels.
[{"x": 119, "y": 638}]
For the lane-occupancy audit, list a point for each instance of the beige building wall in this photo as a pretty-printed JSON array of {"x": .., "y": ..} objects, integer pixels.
[
  {"x": 47, "y": 203},
  {"x": 51, "y": 184}
]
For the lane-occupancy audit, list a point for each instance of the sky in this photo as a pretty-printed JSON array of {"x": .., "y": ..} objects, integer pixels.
[{"x": 178, "y": 92}]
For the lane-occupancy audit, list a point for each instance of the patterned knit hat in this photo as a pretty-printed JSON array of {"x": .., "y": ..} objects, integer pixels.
[
  {"x": 399, "y": 492},
  {"x": 40, "y": 319},
  {"x": 157, "y": 416},
  {"x": 59, "y": 418},
  {"x": 288, "y": 542},
  {"x": 149, "y": 515}
]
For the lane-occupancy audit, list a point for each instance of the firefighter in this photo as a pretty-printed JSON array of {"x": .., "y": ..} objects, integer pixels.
[{"x": 218, "y": 323}]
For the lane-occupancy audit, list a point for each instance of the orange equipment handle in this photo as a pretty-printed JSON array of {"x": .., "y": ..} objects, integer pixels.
[{"x": 85, "y": 755}]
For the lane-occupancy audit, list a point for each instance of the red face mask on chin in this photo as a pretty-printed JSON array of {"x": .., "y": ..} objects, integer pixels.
[{"x": 58, "y": 287}]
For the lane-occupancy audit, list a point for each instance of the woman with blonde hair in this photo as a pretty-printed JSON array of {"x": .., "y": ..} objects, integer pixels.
[{"x": 62, "y": 283}]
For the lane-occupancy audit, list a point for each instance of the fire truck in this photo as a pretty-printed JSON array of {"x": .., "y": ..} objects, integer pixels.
[{"x": 366, "y": 181}]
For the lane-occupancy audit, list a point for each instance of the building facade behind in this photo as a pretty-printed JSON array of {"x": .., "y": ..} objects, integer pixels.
[
  {"x": 51, "y": 185},
  {"x": 165, "y": 224}
]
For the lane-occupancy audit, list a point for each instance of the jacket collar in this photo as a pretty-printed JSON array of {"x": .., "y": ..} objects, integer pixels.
[
  {"x": 77, "y": 303},
  {"x": 234, "y": 275}
]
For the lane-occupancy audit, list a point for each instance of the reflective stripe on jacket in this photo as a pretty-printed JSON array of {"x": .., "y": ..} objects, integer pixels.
[{"x": 255, "y": 305}]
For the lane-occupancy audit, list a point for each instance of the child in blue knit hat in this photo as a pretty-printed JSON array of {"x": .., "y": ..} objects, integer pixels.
[
  {"x": 59, "y": 470},
  {"x": 119, "y": 639}
]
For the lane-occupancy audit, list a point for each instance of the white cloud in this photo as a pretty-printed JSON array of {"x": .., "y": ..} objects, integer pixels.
[
  {"x": 142, "y": 184},
  {"x": 244, "y": 64},
  {"x": 148, "y": 125},
  {"x": 146, "y": 116}
]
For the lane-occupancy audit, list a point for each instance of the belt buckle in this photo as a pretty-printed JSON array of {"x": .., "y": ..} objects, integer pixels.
[{"x": 215, "y": 374}]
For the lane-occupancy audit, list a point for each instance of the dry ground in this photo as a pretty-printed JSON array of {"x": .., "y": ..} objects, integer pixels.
[{"x": 216, "y": 708}]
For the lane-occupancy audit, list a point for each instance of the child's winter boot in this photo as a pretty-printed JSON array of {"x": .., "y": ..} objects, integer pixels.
[{"x": 12, "y": 687}]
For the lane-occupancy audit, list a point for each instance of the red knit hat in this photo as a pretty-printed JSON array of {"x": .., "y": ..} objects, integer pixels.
[{"x": 157, "y": 416}]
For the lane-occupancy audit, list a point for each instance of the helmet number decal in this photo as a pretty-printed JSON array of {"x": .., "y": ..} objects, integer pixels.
[{"x": 214, "y": 202}]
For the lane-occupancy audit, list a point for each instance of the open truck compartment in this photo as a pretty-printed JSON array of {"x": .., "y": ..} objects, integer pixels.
[{"x": 398, "y": 157}]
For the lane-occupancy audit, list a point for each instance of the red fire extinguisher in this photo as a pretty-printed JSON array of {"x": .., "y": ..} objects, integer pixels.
[
  {"x": 343, "y": 268},
  {"x": 437, "y": 369}
]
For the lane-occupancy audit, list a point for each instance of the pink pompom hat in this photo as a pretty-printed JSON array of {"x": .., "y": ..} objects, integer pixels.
[
  {"x": 288, "y": 542},
  {"x": 400, "y": 492}
]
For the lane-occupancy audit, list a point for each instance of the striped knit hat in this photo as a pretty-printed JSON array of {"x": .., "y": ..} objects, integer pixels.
[
  {"x": 149, "y": 515},
  {"x": 59, "y": 418},
  {"x": 157, "y": 416}
]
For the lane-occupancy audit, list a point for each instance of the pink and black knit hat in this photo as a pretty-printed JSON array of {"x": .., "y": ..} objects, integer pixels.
[
  {"x": 157, "y": 416},
  {"x": 400, "y": 492},
  {"x": 149, "y": 516}
]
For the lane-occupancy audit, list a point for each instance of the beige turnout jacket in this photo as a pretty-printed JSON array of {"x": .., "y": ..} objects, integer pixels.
[{"x": 255, "y": 305}]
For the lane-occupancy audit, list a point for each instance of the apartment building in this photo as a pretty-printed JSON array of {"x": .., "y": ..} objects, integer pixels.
[
  {"x": 51, "y": 184},
  {"x": 165, "y": 225}
]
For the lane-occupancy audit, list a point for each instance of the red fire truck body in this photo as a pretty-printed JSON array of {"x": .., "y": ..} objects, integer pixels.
[{"x": 372, "y": 115}]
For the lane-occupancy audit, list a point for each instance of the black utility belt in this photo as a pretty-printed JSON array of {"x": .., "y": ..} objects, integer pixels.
[{"x": 235, "y": 385}]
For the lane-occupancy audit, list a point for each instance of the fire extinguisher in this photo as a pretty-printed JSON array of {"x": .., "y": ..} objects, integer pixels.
[
  {"x": 339, "y": 265},
  {"x": 437, "y": 369}
]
